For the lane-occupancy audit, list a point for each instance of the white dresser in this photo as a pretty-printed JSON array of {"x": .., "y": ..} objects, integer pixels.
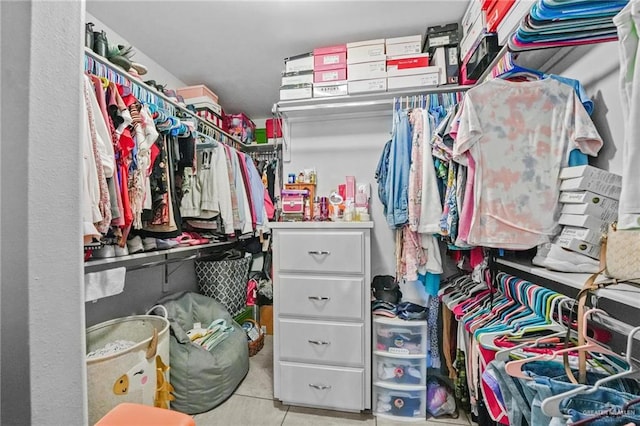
[{"x": 322, "y": 314}]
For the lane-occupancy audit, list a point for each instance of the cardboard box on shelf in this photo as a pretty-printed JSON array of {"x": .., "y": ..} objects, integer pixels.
[
  {"x": 447, "y": 58},
  {"x": 591, "y": 173},
  {"x": 472, "y": 38},
  {"x": 328, "y": 58},
  {"x": 367, "y": 70},
  {"x": 365, "y": 51},
  {"x": 297, "y": 63},
  {"x": 474, "y": 10},
  {"x": 582, "y": 247},
  {"x": 608, "y": 215},
  {"x": 441, "y": 35},
  {"x": 585, "y": 183},
  {"x": 584, "y": 221},
  {"x": 581, "y": 197},
  {"x": 496, "y": 12},
  {"x": 418, "y": 80},
  {"x": 197, "y": 91},
  {"x": 368, "y": 86},
  {"x": 296, "y": 91},
  {"x": 408, "y": 65},
  {"x": 403, "y": 45},
  {"x": 297, "y": 77},
  {"x": 330, "y": 75},
  {"x": 587, "y": 235}
]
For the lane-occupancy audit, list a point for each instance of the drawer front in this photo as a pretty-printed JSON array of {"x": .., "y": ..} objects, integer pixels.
[
  {"x": 321, "y": 297},
  {"x": 321, "y": 342},
  {"x": 321, "y": 251},
  {"x": 341, "y": 388}
]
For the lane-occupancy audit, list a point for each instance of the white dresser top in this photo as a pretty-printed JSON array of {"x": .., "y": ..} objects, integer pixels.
[{"x": 319, "y": 225}]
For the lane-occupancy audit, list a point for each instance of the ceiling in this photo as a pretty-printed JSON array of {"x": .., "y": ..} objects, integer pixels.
[{"x": 237, "y": 48}]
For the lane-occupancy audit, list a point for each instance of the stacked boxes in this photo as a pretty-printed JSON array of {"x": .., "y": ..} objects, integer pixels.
[
  {"x": 367, "y": 66},
  {"x": 297, "y": 78},
  {"x": 442, "y": 44},
  {"x": 407, "y": 66},
  {"x": 205, "y": 101},
  {"x": 589, "y": 198},
  {"x": 330, "y": 71}
]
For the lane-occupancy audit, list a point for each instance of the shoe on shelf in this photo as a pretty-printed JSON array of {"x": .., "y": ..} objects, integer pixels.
[
  {"x": 149, "y": 244},
  {"x": 100, "y": 43},
  {"x": 121, "y": 251},
  {"x": 135, "y": 245},
  {"x": 163, "y": 244},
  {"x": 121, "y": 61},
  {"x": 104, "y": 252},
  {"x": 140, "y": 69}
]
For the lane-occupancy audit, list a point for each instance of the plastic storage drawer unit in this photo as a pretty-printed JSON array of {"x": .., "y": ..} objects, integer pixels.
[
  {"x": 400, "y": 403},
  {"x": 400, "y": 337}
]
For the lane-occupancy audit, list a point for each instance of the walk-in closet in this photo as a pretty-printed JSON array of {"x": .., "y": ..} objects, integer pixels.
[{"x": 319, "y": 212}]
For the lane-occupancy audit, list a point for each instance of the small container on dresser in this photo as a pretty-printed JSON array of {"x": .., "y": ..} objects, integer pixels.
[
  {"x": 399, "y": 368},
  {"x": 322, "y": 316}
]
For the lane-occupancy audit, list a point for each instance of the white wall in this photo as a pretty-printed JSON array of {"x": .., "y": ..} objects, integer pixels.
[
  {"x": 156, "y": 71},
  {"x": 347, "y": 147},
  {"x": 43, "y": 366},
  {"x": 597, "y": 68}
]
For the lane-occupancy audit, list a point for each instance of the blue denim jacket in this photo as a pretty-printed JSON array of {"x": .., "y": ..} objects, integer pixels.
[
  {"x": 382, "y": 172},
  {"x": 397, "y": 183}
]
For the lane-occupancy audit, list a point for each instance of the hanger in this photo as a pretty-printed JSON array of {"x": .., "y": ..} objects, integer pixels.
[
  {"x": 551, "y": 406},
  {"x": 514, "y": 368},
  {"x": 505, "y": 353}
]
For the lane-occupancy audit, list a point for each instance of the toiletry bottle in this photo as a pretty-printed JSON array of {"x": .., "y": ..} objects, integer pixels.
[{"x": 307, "y": 209}]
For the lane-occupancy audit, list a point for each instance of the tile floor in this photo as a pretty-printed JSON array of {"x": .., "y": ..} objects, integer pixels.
[{"x": 253, "y": 405}]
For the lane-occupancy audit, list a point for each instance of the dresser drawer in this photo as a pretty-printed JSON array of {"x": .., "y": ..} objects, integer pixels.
[
  {"x": 340, "y": 388},
  {"x": 321, "y": 297},
  {"x": 321, "y": 342},
  {"x": 321, "y": 251}
]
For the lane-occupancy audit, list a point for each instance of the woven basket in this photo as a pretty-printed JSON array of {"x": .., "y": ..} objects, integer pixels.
[{"x": 256, "y": 345}]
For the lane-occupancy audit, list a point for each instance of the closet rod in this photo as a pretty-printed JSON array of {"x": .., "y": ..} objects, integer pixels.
[
  {"x": 134, "y": 80},
  {"x": 364, "y": 101}
]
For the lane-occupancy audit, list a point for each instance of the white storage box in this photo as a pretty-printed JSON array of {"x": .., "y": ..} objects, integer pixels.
[
  {"x": 368, "y": 86},
  {"x": 400, "y": 337},
  {"x": 591, "y": 173},
  {"x": 298, "y": 91},
  {"x": 365, "y": 51},
  {"x": 399, "y": 370},
  {"x": 586, "y": 197},
  {"x": 204, "y": 102},
  {"x": 404, "y": 45},
  {"x": 367, "y": 70},
  {"x": 303, "y": 62},
  {"x": 589, "y": 184},
  {"x": 419, "y": 80},
  {"x": 583, "y": 221},
  {"x": 399, "y": 403},
  {"x": 608, "y": 214},
  {"x": 584, "y": 234},
  {"x": 582, "y": 247},
  {"x": 293, "y": 78}
]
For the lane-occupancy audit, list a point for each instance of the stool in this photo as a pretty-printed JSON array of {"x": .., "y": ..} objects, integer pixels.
[{"x": 127, "y": 414}]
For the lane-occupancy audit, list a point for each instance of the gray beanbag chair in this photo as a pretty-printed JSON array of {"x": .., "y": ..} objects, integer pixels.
[{"x": 201, "y": 379}]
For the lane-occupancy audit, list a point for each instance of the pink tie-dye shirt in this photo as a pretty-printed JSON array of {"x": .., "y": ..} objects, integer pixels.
[{"x": 519, "y": 135}]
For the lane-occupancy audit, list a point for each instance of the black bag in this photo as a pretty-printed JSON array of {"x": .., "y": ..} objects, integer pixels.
[{"x": 385, "y": 288}]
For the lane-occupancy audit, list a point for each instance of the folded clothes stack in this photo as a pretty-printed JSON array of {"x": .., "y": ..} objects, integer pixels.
[{"x": 556, "y": 23}]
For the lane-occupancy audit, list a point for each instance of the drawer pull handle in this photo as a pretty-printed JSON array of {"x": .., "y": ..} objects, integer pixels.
[
  {"x": 322, "y": 298},
  {"x": 321, "y": 387},
  {"x": 319, "y": 252},
  {"x": 319, "y": 342}
]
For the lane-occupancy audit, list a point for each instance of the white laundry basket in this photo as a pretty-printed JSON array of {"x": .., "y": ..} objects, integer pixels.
[{"x": 138, "y": 374}]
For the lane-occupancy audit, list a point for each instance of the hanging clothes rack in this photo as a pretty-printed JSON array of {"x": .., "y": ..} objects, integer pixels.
[{"x": 101, "y": 67}]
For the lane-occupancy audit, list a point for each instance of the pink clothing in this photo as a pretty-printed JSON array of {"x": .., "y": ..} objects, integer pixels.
[
  {"x": 416, "y": 170},
  {"x": 468, "y": 205}
]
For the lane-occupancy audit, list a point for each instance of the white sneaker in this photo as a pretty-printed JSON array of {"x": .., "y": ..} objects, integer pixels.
[
  {"x": 121, "y": 251},
  {"x": 135, "y": 245},
  {"x": 562, "y": 260}
]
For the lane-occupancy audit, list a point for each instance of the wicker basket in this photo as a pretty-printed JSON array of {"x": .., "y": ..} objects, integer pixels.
[{"x": 256, "y": 345}]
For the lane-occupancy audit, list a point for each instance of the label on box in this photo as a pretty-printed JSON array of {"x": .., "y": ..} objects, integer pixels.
[
  {"x": 321, "y": 90},
  {"x": 330, "y": 59},
  {"x": 592, "y": 173},
  {"x": 331, "y": 75},
  {"x": 329, "y": 62},
  {"x": 584, "y": 234},
  {"x": 410, "y": 61},
  {"x": 364, "y": 86},
  {"x": 582, "y": 247}
]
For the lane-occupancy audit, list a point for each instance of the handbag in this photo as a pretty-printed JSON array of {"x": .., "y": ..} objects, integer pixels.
[{"x": 620, "y": 254}]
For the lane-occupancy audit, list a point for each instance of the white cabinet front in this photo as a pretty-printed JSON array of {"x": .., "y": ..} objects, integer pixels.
[
  {"x": 330, "y": 387},
  {"x": 321, "y": 342},
  {"x": 328, "y": 252},
  {"x": 321, "y": 297}
]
